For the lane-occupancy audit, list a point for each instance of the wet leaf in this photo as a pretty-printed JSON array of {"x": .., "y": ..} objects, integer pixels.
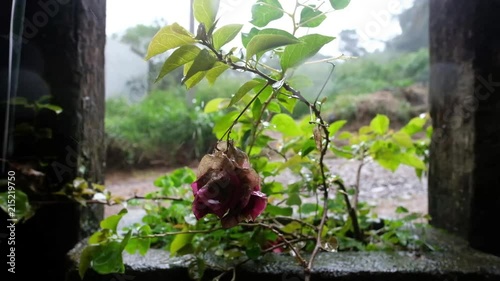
[
  {"x": 311, "y": 17},
  {"x": 266, "y": 11},
  {"x": 167, "y": 38},
  {"x": 205, "y": 11},
  {"x": 225, "y": 34}
]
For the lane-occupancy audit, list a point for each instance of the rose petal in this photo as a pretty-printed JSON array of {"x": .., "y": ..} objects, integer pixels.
[
  {"x": 229, "y": 221},
  {"x": 221, "y": 195},
  {"x": 199, "y": 209},
  {"x": 256, "y": 205},
  {"x": 194, "y": 187}
]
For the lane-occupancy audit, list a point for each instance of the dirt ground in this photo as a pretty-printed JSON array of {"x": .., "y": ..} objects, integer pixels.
[{"x": 379, "y": 187}]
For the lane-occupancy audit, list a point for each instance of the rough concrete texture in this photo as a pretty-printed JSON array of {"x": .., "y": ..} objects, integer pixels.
[{"x": 453, "y": 260}]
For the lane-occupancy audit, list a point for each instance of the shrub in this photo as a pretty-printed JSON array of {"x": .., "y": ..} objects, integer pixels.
[{"x": 158, "y": 129}]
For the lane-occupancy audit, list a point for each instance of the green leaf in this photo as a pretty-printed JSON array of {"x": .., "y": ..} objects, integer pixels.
[
  {"x": 287, "y": 102},
  {"x": 179, "y": 57},
  {"x": 98, "y": 237},
  {"x": 253, "y": 251},
  {"x": 403, "y": 139},
  {"x": 180, "y": 241},
  {"x": 286, "y": 125},
  {"x": 265, "y": 42},
  {"x": 86, "y": 258},
  {"x": 308, "y": 147},
  {"x": 215, "y": 105},
  {"x": 246, "y": 37},
  {"x": 243, "y": 90},
  {"x": 195, "y": 79},
  {"x": 205, "y": 11},
  {"x": 311, "y": 17},
  {"x": 274, "y": 107},
  {"x": 167, "y": 38},
  {"x": 292, "y": 227},
  {"x": 108, "y": 258},
  {"x": 413, "y": 160},
  {"x": 429, "y": 132},
  {"x": 112, "y": 221},
  {"x": 336, "y": 126},
  {"x": 342, "y": 153},
  {"x": 388, "y": 162},
  {"x": 256, "y": 109},
  {"x": 380, "y": 124},
  {"x": 223, "y": 123},
  {"x": 17, "y": 199},
  {"x": 225, "y": 34},
  {"x": 294, "y": 199},
  {"x": 203, "y": 62},
  {"x": 401, "y": 210},
  {"x": 279, "y": 211},
  {"x": 266, "y": 11},
  {"x": 414, "y": 126},
  {"x": 196, "y": 268},
  {"x": 339, "y": 4},
  {"x": 55, "y": 108},
  {"x": 215, "y": 72},
  {"x": 296, "y": 54},
  {"x": 140, "y": 244},
  {"x": 308, "y": 208}
]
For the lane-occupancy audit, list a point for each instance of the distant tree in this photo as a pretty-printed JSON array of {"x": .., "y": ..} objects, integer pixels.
[
  {"x": 138, "y": 38},
  {"x": 349, "y": 43},
  {"x": 414, "y": 24}
]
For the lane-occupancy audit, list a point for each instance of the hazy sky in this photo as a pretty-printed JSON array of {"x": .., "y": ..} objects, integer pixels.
[{"x": 373, "y": 19}]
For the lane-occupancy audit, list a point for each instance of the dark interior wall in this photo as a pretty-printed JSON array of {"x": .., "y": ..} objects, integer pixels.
[
  {"x": 486, "y": 198},
  {"x": 62, "y": 58}
]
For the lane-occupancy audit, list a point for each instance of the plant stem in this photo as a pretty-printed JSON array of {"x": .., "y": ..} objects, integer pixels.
[
  {"x": 256, "y": 129},
  {"x": 358, "y": 179},
  {"x": 296, "y": 220},
  {"x": 280, "y": 235},
  {"x": 324, "y": 148},
  {"x": 179, "y": 232},
  {"x": 352, "y": 212},
  {"x": 228, "y": 132},
  {"x": 285, "y": 244}
]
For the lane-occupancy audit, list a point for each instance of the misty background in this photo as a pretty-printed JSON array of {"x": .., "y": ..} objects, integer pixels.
[{"x": 146, "y": 122}]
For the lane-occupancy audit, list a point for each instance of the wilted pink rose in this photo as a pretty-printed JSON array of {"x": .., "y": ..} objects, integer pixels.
[{"x": 228, "y": 187}]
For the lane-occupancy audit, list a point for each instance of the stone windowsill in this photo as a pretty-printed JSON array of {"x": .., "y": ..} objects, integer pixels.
[{"x": 453, "y": 261}]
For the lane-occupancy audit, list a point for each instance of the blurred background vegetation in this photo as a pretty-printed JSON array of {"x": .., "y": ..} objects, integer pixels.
[{"x": 168, "y": 125}]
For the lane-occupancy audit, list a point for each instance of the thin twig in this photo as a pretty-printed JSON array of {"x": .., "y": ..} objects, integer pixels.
[
  {"x": 228, "y": 132},
  {"x": 352, "y": 212},
  {"x": 179, "y": 232},
  {"x": 280, "y": 235},
  {"x": 285, "y": 244},
  {"x": 358, "y": 179}
]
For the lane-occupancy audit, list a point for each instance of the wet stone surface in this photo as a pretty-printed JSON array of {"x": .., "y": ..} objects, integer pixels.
[{"x": 453, "y": 261}]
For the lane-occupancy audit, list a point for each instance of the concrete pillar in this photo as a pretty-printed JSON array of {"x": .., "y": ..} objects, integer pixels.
[{"x": 464, "y": 176}]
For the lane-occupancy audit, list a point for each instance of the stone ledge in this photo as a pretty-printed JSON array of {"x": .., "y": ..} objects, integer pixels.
[{"x": 453, "y": 261}]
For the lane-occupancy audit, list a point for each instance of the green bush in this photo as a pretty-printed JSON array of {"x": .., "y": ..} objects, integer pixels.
[
  {"x": 380, "y": 71},
  {"x": 162, "y": 128}
]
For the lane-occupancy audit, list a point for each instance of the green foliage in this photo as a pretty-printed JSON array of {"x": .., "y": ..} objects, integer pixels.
[
  {"x": 380, "y": 71},
  {"x": 161, "y": 127},
  {"x": 298, "y": 53},
  {"x": 225, "y": 34},
  {"x": 314, "y": 211},
  {"x": 266, "y": 11},
  {"x": 387, "y": 147}
]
